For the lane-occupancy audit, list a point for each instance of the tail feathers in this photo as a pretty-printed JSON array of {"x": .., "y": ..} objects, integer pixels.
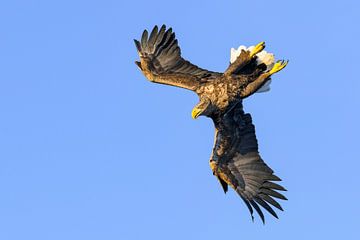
[
  {"x": 234, "y": 53},
  {"x": 262, "y": 57}
]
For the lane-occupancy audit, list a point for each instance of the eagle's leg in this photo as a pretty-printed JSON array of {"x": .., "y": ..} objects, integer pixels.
[
  {"x": 243, "y": 59},
  {"x": 258, "y": 48},
  {"x": 239, "y": 63},
  {"x": 278, "y": 66},
  {"x": 258, "y": 82}
]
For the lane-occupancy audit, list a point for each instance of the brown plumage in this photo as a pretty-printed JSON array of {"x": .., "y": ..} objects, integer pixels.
[{"x": 235, "y": 159}]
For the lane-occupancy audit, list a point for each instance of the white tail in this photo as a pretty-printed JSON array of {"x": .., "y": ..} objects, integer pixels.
[{"x": 262, "y": 57}]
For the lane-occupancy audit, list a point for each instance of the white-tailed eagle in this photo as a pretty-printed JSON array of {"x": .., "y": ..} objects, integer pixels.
[{"x": 235, "y": 159}]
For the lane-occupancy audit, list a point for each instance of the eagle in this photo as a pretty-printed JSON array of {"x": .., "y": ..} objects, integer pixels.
[{"x": 235, "y": 160}]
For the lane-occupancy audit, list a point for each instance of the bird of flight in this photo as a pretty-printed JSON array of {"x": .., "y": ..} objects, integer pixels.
[{"x": 235, "y": 159}]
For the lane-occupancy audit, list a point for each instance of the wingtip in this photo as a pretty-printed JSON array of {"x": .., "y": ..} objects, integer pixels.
[
  {"x": 137, "y": 45},
  {"x": 262, "y": 219},
  {"x": 138, "y": 64},
  {"x": 154, "y": 32},
  {"x": 258, "y": 210},
  {"x": 144, "y": 38},
  {"x": 163, "y": 27}
]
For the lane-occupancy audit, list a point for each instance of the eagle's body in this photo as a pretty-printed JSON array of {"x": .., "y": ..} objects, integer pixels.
[
  {"x": 235, "y": 159},
  {"x": 222, "y": 91}
]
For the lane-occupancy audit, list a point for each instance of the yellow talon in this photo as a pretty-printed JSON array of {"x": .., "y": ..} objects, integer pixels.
[
  {"x": 278, "y": 66},
  {"x": 258, "y": 48}
]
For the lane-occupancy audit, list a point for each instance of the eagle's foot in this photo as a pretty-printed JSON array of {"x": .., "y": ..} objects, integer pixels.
[
  {"x": 258, "y": 48},
  {"x": 278, "y": 66}
]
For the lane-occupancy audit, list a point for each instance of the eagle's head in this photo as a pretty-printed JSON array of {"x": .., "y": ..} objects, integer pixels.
[{"x": 204, "y": 107}]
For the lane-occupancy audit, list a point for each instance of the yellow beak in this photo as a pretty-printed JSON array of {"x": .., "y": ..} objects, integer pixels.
[{"x": 195, "y": 113}]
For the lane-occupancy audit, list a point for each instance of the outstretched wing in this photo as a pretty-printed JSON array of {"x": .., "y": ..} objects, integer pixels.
[
  {"x": 236, "y": 162},
  {"x": 161, "y": 61}
]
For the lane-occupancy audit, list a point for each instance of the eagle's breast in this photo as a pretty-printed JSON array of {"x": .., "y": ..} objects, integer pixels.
[
  {"x": 221, "y": 93},
  {"x": 222, "y": 96}
]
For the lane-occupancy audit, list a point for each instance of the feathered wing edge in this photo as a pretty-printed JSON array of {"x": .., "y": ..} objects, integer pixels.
[
  {"x": 240, "y": 165},
  {"x": 162, "y": 52},
  {"x": 263, "y": 198}
]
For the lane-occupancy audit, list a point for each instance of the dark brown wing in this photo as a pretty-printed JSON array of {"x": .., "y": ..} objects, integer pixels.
[
  {"x": 161, "y": 61},
  {"x": 236, "y": 161}
]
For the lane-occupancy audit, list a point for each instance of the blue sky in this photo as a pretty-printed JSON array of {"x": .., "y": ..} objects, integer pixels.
[{"x": 91, "y": 150}]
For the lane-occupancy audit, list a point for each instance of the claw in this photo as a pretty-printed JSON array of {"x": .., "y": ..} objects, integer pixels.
[
  {"x": 258, "y": 48},
  {"x": 278, "y": 66}
]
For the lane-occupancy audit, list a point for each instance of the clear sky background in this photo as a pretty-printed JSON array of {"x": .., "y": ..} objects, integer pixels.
[{"x": 89, "y": 149}]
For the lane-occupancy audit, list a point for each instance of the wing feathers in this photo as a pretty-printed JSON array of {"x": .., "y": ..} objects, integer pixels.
[
  {"x": 274, "y": 186},
  {"x": 273, "y": 193},
  {"x": 270, "y": 200},
  {"x": 258, "y": 210},
  {"x": 266, "y": 206},
  {"x": 162, "y": 50},
  {"x": 138, "y": 45},
  {"x": 246, "y": 203},
  {"x": 159, "y": 38},
  {"x": 152, "y": 38},
  {"x": 242, "y": 165},
  {"x": 144, "y": 39},
  {"x": 273, "y": 178}
]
